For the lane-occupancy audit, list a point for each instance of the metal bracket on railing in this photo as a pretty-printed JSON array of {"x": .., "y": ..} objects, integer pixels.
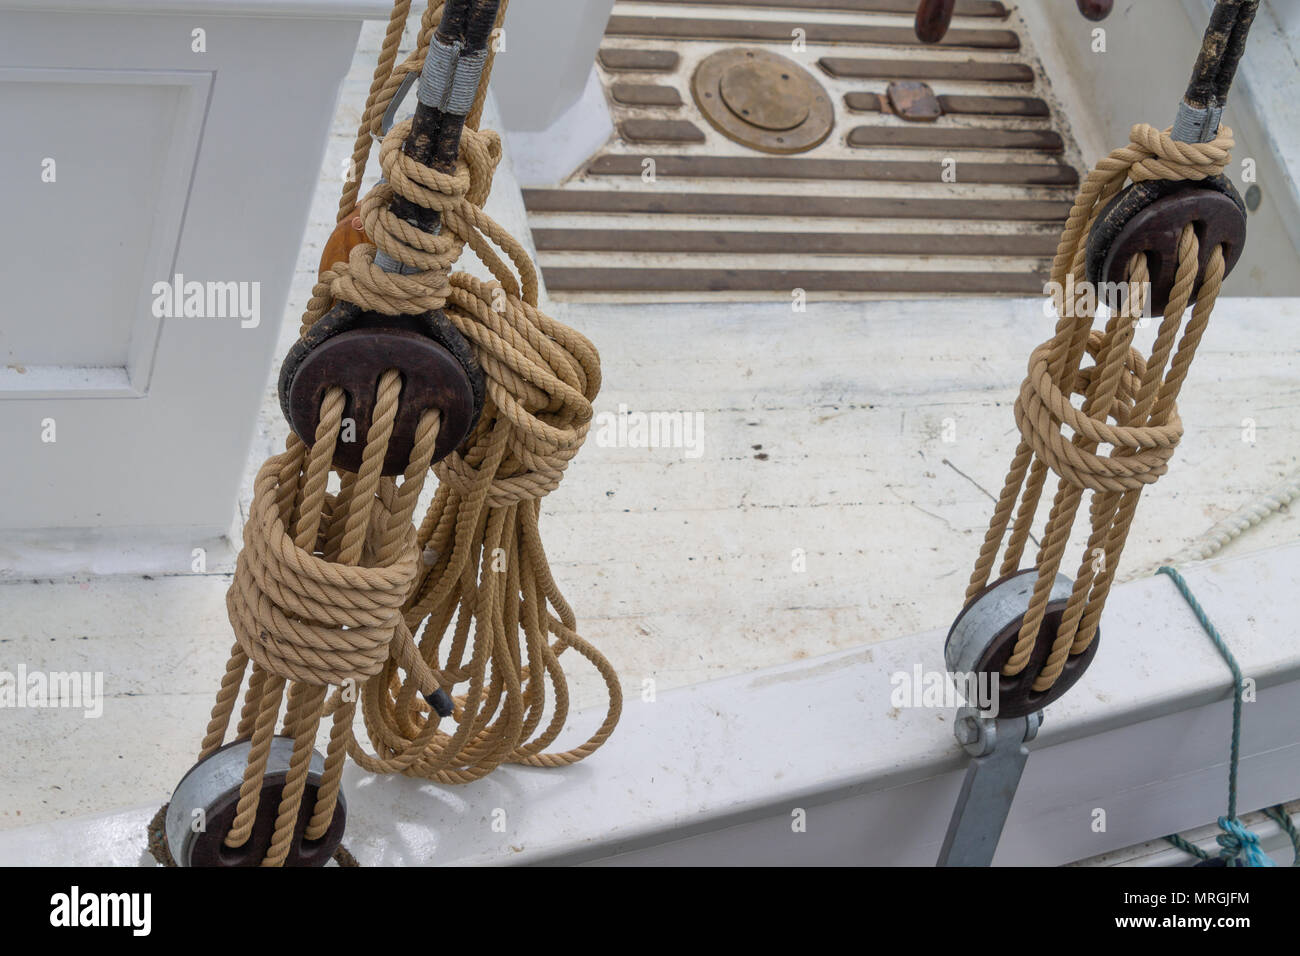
[{"x": 998, "y": 752}]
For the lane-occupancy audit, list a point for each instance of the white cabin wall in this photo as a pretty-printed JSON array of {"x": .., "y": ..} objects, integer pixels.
[
  {"x": 552, "y": 104},
  {"x": 207, "y": 157}
]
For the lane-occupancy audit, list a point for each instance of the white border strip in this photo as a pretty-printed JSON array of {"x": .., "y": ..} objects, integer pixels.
[{"x": 718, "y": 772}]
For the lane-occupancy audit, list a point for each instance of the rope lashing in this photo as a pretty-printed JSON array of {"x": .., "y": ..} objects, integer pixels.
[
  {"x": 1129, "y": 402},
  {"x": 457, "y": 196},
  {"x": 1240, "y": 847},
  {"x": 331, "y": 588}
]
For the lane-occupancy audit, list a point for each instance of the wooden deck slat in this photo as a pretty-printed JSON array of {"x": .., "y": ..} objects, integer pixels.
[
  {"x": 645, "y": 94},
  {"x": 650, "y": 61},
  {"x": 713, "y": 241},
  {"x": 928, "y": 137},
  {"x": 865, "y": 102},
  {"x": 1030, "y": 106},
  {"x": 641, "y": 130},
  {"x": 802, "y": 168},
  {"x": 864, "y": 68},
  {"x": 781, "y": 281},
  {"x": 751, "y": 204},
  {"x": 965, "y": 8},
  {"x": 751, "y": 31},
  {"x": 1026, "y": 106}
]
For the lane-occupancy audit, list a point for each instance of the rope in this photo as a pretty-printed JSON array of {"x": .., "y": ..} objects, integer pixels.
[
  {"x": 1279, "y": 815},
  {"x": 1129, "y": 403},
  {"x": 1224, "y": 532},
  {"x": 1239, "y": 846},
  {"x": 330, "y": 588}
]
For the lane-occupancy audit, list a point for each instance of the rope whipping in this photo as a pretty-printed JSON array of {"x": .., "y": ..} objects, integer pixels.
[{"x": 332, "y": 587}]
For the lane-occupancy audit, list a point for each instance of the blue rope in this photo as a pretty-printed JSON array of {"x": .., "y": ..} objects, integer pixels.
[
  {"x": 1279, "y": 816},
  {"x": 1240, "y": 847}
]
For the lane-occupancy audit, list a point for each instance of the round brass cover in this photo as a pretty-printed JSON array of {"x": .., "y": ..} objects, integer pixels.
[{"x": 762, "y": 100}]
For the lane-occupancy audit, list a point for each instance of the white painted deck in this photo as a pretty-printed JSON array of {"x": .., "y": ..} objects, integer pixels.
[{"x": 823, "y": 432}]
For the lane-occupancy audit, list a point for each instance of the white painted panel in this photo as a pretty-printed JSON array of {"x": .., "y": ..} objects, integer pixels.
[
  {"x": 105, "y": 168},
  {"x": 212, "y": 157}
]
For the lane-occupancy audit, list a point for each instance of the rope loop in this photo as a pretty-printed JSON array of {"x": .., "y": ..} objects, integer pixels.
[
  {"x": 541, "y": 379},
  {"x": 1140, "y": 454},
  {"x": 455, "y": 195},
  {"x": 307, "y": 619},
  {"x": 1163, "y": 157}
]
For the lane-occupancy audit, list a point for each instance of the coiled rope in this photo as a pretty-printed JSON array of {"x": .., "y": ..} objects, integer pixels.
[
  {"x": 330, "y": 588},
  {"x": 1129, "y": 402}
]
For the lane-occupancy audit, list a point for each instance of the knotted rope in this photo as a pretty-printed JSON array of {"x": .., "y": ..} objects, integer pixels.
[
  {"x": 1129, "y": 403},
  {"x": 330, "y": 588}
]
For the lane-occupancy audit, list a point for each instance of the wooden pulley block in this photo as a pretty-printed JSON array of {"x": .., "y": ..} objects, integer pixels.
[
  {"x": 204, "y": 804},
  {"x": 985, "y": 632},
  {"x": 351, "y": 349},
  {"x": 934, "y": 16},
  {"x": 932, "y": 19},
  {"x": 1149, "y": 217},
  {"x": 1095, "y": 9}
]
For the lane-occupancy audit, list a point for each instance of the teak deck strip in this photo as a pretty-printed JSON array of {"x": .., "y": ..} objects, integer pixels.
[
  {"x": 751, "y": 204},
  {"x": 650, "y": 61},
  {"x": 567, "y": 279},
  {"x": 994, "y": 105},
  {"x": 926, "y": 137},
  {"x": 750, "y": 31},
  {"x": 965, "y": 8},
  {"x": 640, "y": 130},
  {"x": 861, "y": 68},
  {"x": 1027, "y": 106},
  {"x": 801, "y": 168},
  {"x": 645, "y": 94},
  {"x": 713, "y": 241}
]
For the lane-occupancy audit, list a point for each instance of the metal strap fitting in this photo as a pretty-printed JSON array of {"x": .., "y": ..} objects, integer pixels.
[
  {"x": 998, "y": 752},
  {"x": 450, "y": 78},
  {"x": 390, "y": 114}
]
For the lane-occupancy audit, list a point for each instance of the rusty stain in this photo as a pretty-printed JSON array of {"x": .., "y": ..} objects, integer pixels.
[{"x": 913, "y": 101}]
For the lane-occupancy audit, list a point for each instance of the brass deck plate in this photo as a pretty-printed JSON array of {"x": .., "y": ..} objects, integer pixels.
[{"x": 762, "y": 100}]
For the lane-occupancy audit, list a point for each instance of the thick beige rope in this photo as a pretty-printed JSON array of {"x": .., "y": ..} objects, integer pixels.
[
  {"x": 1129, "y": 404},
  {"x": 330, "y": 588}
]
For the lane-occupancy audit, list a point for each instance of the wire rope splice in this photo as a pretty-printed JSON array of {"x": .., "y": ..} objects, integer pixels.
[
  {"x": 1162, "y": 244},
  {"x": 330, "y": 588}
]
